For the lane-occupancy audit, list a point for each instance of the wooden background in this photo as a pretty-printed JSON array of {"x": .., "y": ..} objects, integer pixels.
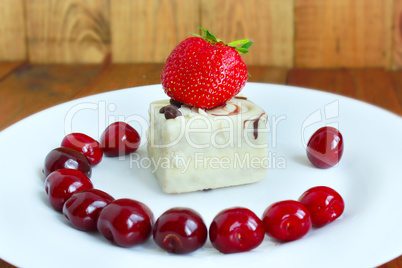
[{"x": 287, "y": 33}]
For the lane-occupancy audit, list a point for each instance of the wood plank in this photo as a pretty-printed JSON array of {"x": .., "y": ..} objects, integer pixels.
[
  {"x": 70, "y": 31},
  {"x": 7, "y": 67},
  {"x": 396, "y": 78},
  {"x": 269, "y": 23},
  {"x": 371, "y": 85},
  {"x": 375, "y": 86},
  {"x": 267, "y": 74},
  {"x": 362, "y": 39},
  {"x": 120, "y": 76},
  {"x": 397, "y": 34},
  {"x": 148, "y": 30},
  {"x": 12, "y": 31},
  {"x": 334, "y": 81},
  {"x": 33, "y": 88},
  {"x": 4, "y": 264},
  {"x": 395, "y": 263}
]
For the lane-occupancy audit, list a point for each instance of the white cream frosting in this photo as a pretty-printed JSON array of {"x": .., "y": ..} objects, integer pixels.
[{"x": 229, "y": 133}]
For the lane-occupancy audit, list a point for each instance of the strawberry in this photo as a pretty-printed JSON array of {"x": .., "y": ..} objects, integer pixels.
[{"x": 204, "y": 72}]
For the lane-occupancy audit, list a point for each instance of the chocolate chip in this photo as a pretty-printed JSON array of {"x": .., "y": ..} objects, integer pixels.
[
  {"x": 176, "y": 103},
  {"x": 170, "y": 111}
]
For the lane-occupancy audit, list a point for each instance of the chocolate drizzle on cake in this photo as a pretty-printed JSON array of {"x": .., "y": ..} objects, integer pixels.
[
  {"x": 240, "y": 97},
  {"x": 255, "y": 125},
  {"x": 219, "y": 106},
  {"x": 170, "y": 111}
]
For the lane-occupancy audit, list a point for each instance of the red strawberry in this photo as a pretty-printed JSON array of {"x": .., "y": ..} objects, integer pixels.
[{"x": 204, "y": 72}]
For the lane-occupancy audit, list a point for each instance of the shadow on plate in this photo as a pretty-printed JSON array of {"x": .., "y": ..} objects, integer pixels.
[{"x": 303, "y": 160}]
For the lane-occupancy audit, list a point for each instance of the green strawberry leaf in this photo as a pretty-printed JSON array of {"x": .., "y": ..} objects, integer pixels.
[
  {"x": 247, "y": 45},
  {"x": 242, "y": 50},
  {"x": 238, "y": 42},
  {"x": 209, "y": 37},
  {"x": 243, "y": 43}
]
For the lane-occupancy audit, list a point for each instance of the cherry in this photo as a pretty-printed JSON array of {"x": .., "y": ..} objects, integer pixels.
[
  {"x": 287, "y": 220},
  {"x": 62, "y": 183},
  {"x": 180, "y": 231},
  {"x": 84, "y": 144},
  {"x": 82, "y": 208},
  {"x": 236, "y": 230},
  {"x": 62, "y": 157},
  {"x": 119, "y": 138},
  {"x": 324, "y": 204},
  {"x": 325, "y": 147},
  {"x": 126, "y": 222}
]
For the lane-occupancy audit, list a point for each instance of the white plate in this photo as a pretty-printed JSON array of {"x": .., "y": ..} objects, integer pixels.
[{"x": 368, "y": 177}]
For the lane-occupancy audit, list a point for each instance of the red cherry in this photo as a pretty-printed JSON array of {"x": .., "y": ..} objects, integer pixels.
[
  {"x": 82, "y": 208},
  {"x": 62, "y": 183},
  {"x": 62, "y": 157},
  {"x": 325, "y": 147},
  {"x": 287, "y": 220},
  {"x": 126, "y": 222},
  {"x": 119, "y": 138},
  {"x": 236, "y": 230},
  {"x": 180, "y": 231},
  {"x": 85, "y": 145},
  {"x": 324, "y": 204}
]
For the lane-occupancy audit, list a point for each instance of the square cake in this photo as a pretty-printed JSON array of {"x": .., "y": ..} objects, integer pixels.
[{"x": 194, "y": 149}]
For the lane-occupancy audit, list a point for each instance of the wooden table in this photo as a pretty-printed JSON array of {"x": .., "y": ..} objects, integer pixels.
[{"x": 26, "y": 89}]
